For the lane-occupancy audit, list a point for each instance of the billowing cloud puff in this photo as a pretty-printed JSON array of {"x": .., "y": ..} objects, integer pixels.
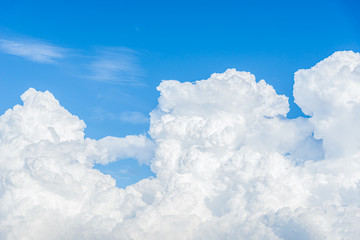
[
  {"x": 228, "y": 164},
  {"x": 138, "y": 147},
  {"x": 329, "y": 93}
]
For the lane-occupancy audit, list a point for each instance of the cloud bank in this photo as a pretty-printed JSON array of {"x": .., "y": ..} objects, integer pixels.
[{"x": 228, "y": 163}]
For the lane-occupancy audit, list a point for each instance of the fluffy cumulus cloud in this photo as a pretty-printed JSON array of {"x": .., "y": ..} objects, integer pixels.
[
  {"x": 228, "y": 163},
  {"x": 329, "y": 93}
]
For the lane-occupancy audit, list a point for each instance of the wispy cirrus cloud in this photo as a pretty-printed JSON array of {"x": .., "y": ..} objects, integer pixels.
[
  {"x": 33, "y": 50},
  {"x": 116, "y": 65}
]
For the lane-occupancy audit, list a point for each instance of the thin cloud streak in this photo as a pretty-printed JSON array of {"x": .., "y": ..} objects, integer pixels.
[
  {"x": 116, "y": 65},
  {"x": 33, "y": 50}
]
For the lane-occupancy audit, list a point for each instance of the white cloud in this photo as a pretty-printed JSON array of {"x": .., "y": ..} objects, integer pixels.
[
  {"x": 33, "y": 50},
  {"x": 116, "y": 65},
  {"x": 228, "y": 164},
  {"x": 138, "y": 147},
  {"x": 329, "y": 92}
]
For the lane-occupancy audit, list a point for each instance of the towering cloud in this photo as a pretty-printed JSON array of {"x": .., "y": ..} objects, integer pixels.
[
  {"x": 329, "y": 93},
  {"x": 228, "y": 164}
]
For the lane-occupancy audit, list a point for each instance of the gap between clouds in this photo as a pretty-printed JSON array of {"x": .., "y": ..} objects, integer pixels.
[{"x": 132, "y": 117}]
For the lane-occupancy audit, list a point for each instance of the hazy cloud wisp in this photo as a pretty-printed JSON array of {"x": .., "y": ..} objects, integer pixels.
[
  {"x": 116, "y": 65},
  {"x": 36, "y": 51}
]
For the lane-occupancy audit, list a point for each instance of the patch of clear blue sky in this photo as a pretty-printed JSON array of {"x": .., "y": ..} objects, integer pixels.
[{"x": 182, "y": 40}]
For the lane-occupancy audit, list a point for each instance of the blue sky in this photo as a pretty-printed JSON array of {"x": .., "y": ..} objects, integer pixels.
[{"x": 103, "y": 60}]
